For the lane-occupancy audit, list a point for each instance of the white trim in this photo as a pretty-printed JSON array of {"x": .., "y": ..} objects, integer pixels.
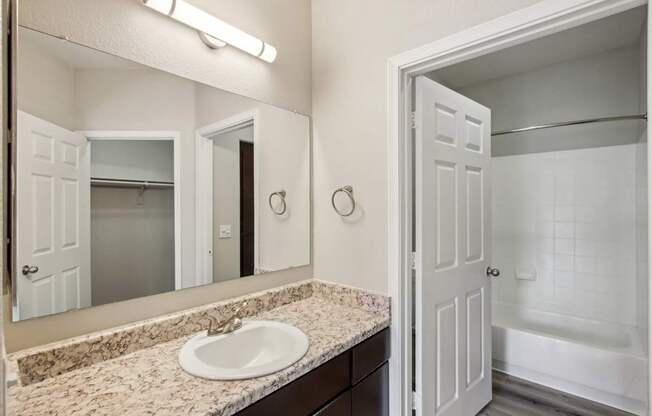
[
  {"x": 541, "y": 19},
  {"x": 175, "y": 136},
  {"x": 648, "y": 101},
  {"x": 204, "y": 190}
]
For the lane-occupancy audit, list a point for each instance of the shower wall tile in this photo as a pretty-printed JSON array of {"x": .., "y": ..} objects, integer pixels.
[
  {"x": 564, "y": 246},
  {"x": 570, "y": 216}
]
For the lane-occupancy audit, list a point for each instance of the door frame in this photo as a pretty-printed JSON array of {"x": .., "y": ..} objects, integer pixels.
[
  {"x": 541, "y": 19},
  {"x": 175, "y": 137},
  {"x": 204, "y": 190}
]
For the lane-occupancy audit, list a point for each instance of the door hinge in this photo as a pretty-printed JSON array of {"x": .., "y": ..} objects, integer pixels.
[
  {"x": 413, "y": 120},
  {"x": 415, "y": 400},
  {"x": 413, "y": 260}
]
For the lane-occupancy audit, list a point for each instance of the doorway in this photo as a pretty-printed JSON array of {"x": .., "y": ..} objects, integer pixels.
[
  {"x": 135, "y": 214},
  {"x": 226, "y": 206},
  {"x": 535, "y": 23},
  {"x": 247, "y": 218}
]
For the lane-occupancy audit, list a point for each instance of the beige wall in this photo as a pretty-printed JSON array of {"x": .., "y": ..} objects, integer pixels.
[
  {"x": 150, "y": 160},
  {"x": 132, "y": 243},
  {"x": 127, "y": 29},
  {"x": 352, "y": 41},
  {"x": 605, "y": 84},
  {"x": 284, "y": 153},
  {"x": 46, "y": 85}
]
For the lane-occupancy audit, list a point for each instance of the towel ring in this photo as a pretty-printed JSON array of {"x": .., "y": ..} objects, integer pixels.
[
  {"x": 348, "y": 190},
  {"x": 281, "y": 194}
]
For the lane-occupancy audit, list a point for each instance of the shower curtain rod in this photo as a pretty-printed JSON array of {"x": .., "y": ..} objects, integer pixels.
[
  {"x": 128, "y": 183},
  {"x": 571, "y": 123}
]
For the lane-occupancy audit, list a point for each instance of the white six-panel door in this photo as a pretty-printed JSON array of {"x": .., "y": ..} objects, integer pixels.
[
  {"x": 453, "y": 315},
  {"x": 53, "y": 216}
]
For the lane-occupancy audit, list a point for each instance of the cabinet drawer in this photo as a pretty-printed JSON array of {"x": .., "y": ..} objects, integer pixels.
[
  {"x": 370, "y": 397},
  {"x": 338, "y": 407},
  {"x": 369, "y": 355},
  {"x": 308, "y": 393}
]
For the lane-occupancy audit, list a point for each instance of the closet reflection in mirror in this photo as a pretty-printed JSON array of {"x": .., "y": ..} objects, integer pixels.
[{"x": 132, "y": 181}]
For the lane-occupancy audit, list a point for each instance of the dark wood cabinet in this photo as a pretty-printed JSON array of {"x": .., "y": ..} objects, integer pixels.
[
  {"x": 307, "y": 393},
  {"x": 341, "y": 406},
  {"x": 370, "y": 397},
  {"x": 369, "y": 355},
  {"x": 355, "y": 383}
]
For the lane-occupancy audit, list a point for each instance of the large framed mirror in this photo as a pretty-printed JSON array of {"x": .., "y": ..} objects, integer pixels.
[{"x": 130, "y": 181}]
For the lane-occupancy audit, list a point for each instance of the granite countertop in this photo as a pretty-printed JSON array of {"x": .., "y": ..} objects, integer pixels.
[{"x": 150, "y": 381}]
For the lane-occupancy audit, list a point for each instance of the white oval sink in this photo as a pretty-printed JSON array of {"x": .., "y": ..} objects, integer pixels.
[{"x": 257, "y": 349}]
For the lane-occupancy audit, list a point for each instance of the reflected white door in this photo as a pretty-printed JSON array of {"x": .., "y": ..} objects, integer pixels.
[
  {"x": 53, "y": 218},
  {"x": 453, "y": 315}
]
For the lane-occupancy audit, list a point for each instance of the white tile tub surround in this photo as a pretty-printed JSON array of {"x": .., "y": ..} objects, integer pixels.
[{"x": 569, "y": 216}]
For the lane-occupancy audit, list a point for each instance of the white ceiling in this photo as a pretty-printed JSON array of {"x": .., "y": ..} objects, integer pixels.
[
  {"x": 613, "y": 32},
  {"x": 74, "y": 55}
]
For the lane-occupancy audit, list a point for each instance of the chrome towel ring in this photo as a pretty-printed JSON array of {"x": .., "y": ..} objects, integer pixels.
[
  {"x": 348, "y": 190},
  {"x": 281, "y": 194}
]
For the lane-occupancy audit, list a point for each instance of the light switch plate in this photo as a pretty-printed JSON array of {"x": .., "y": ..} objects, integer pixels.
[{"x": 225, "y": 231}]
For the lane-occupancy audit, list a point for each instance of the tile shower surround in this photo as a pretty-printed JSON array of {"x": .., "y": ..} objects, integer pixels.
[{"x": 569, "y": 216}]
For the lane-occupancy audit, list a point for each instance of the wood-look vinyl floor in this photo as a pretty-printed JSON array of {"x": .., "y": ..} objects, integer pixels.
[{"x": 516, "y": 397}]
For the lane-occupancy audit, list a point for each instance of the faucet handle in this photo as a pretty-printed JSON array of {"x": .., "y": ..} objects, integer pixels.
[
  {"x": 212, "y": 322},
  {"x": 228, "y": 325}
]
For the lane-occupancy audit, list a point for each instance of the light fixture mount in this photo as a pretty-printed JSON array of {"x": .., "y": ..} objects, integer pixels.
[
  {"x": 211, "y": 42},
  {"x": 215, "y": 33}
]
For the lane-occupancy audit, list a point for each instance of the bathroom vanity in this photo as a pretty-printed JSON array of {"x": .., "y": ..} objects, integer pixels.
[
  {"x": 134, "y": 369},
  {"x": 353, "y": 383}
]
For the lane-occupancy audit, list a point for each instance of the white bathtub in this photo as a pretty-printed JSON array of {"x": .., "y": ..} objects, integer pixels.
[{"x": 601, "y": 362}]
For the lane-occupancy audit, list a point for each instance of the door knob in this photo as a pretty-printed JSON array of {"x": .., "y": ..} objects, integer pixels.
[
  {"x": 29, "y": 269},
  {"x": 493, "y": 271}
]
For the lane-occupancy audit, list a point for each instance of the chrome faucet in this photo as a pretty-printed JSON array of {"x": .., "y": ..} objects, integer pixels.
[{"x": 229, "y": 325}]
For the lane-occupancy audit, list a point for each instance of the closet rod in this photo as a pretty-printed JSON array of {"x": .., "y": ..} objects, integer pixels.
[
  {"x": 571, "y": 123},
  {"x": 130, "y": 183}
]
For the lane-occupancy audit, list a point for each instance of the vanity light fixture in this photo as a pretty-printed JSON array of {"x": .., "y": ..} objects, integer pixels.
[{"x": 213, "y": 31}]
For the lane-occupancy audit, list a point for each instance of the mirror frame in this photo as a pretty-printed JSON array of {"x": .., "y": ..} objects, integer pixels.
[{"x": 9, "y": 114}]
